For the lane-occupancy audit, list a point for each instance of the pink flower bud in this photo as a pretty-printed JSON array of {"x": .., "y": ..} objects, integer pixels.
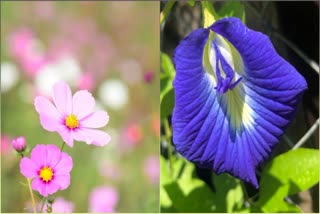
[
  {"x": 19, "y": 144},
  {"x": 148, "y": 76}
]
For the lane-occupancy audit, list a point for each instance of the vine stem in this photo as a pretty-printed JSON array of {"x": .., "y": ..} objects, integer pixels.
[
  {"x": 168, "y": 137},
  {"x": 32, "y": 197},
  {"x": 166, "y": 10},
  {"x": 307, "y": 135}
]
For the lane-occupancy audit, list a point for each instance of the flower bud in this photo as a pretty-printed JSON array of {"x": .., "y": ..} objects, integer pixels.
[
  {"x": 19, "y": 144},
  {"x": 148, "y": 76}
]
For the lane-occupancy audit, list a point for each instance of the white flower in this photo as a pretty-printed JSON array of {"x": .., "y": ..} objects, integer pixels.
[
  {"x": 9, "y": 76},
  {"x": 113, "y": 93},
  {"x": 67, "y": 69}
]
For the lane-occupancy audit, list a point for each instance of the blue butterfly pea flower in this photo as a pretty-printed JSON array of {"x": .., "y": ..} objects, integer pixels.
[{"x": 234, "y": 97}]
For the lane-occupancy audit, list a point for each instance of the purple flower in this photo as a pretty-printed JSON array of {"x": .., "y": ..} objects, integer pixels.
[{"x": 234, "y": 97}]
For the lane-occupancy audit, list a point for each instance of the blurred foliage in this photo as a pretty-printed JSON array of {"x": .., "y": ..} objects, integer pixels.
[{"x": 137, "y": 39}]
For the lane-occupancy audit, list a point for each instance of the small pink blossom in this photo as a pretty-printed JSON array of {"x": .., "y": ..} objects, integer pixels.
[
  {"x": 72, "y": 116},
  {"x": 20, "y": 42},
  {"x": 148, "y": 76},
  {"x": 151, "y": 169},
  {"x": 109, "y": 170},
  {"x": 86, "y": 81},
  {"x": 61, "y": 205},
  {"x": 133, "y": 134},
  {"x": 19, "y": 144},
  {"x": 103, "y": 199},
  {"x": 49, "y": 169},
  {"x": 22, "y": 45},
  {"x": 5, "y": 144}
]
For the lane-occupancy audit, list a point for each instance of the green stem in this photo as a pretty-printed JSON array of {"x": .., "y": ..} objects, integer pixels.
[
  {"x": 62, "y": 146},
  {"x": 32, "y": 197},
  {"x": 246, "y": 196},
  {"x": 42, "y": 205},
  {"x": 166, "y": 10},
  {"x": 168, "y": 137}
]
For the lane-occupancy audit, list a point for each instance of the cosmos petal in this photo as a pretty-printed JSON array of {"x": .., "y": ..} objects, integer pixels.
[
  {"x": 62, "y": 97},
  {"x": 96, "y": 119},
  {"x": 92, "y": 136},
  {"x": 39, "y": 155},
  {"x": 28, "y": 168},
  {"x": 64, "y": 166},
  {"x": 49, "y": 115},
  {"x": 66, "y": 135},
  {"x": 63, "y": 181},
  {"x": 232, "y": 127},
  {"x": 83, "y": 103}
]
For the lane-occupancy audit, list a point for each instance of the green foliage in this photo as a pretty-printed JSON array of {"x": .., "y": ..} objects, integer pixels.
[
  {"x": 288, "y": 174},
  {"x": 232, "y": 8},
  {"x": 166, "y": 89},
  {"x": 182, "y": 191}
]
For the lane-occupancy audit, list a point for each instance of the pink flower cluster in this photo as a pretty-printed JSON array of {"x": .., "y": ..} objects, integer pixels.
[{"x": 48, "y": 168}]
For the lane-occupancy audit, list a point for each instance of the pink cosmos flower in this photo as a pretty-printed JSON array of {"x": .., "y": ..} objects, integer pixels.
[
  {"x": 151, "y": 169},
  {"x": 61, "y": 206},
  {"x": 72, "y": 116},
  {"x": 48, "y": 167},
  {"x": 103, "y": 199}
]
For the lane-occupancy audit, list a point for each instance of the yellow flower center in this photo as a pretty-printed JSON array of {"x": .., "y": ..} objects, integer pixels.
[
  {"x": 46, "y": 174},
  {"x": 72, "y": 121}
]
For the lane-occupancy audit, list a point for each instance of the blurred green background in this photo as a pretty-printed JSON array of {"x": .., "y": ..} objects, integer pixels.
[{"x": 109, "y": 41}]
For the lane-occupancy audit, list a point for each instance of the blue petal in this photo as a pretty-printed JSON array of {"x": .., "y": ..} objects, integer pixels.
[{"x": 225, "y": 124}]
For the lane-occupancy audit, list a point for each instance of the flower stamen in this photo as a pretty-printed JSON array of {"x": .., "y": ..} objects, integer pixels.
[
  {"x": 46, "y": 174},
  {"x": 71, "y": 121}
]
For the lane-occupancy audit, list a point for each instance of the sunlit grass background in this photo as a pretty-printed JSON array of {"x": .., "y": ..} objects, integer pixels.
[{"x": 132, "y": 33}]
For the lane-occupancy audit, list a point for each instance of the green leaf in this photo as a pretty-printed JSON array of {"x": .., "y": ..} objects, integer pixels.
[
  {"x": 167, "y": 65},
  {"x": 229, "y": 193},
  {"x": 167, "y": 104},
  {"x": 167, "y": 75},
  {"x": 165, "y": 178},
  {"x": 184, "y": 192},
  {"x": 209, "y": 13},
  {"x": 188, "y": 194},
  {"x": 232, "y": 8},
  {"x": 287, "y": 174}
]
